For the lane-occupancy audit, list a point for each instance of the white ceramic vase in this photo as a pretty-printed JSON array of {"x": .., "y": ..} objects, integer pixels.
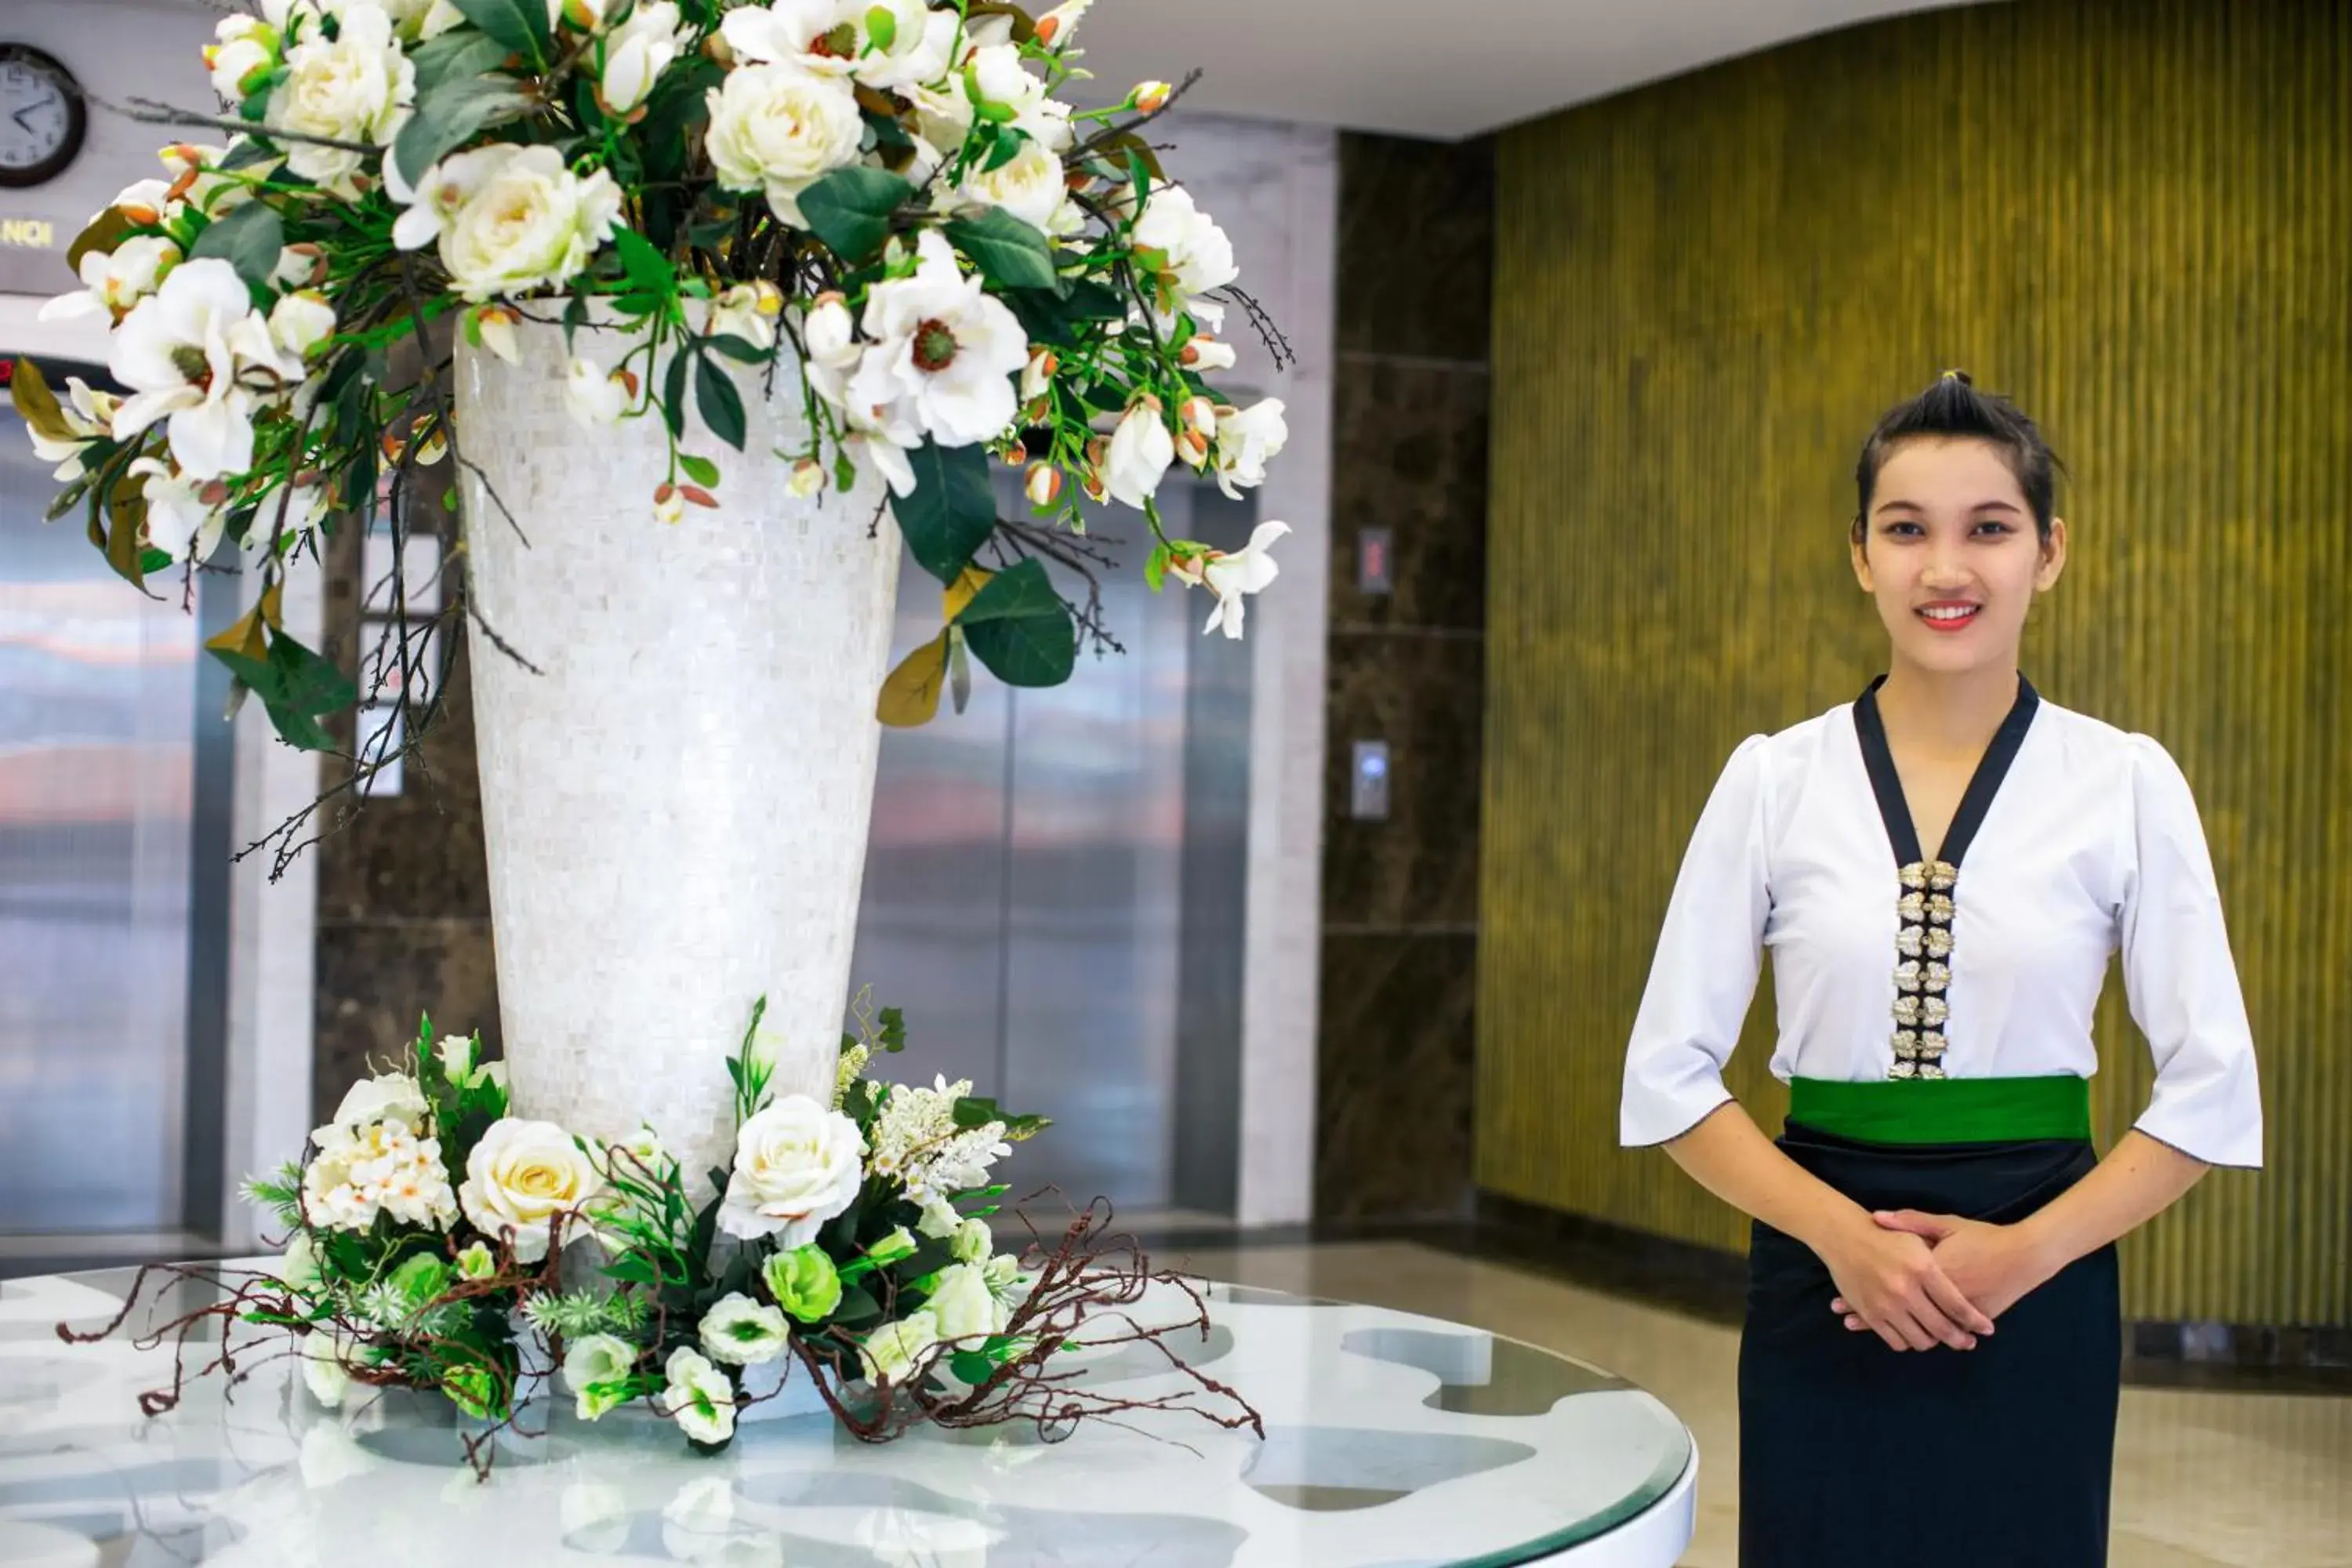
[{"x": 675, "y": 802}]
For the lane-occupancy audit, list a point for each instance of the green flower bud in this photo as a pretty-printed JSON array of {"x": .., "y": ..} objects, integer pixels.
[
  {"x": 476, "y": 1262},
  {"x": 804, "y": 1282}
]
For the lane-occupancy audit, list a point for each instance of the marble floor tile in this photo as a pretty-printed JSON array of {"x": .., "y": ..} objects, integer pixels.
[{"x": 2203, "y": 1478}]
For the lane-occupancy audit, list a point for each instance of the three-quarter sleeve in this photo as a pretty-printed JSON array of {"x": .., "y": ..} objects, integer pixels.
[
  {"x": 2182, "y": 983},
  {"x": 1704, "y": 975}
]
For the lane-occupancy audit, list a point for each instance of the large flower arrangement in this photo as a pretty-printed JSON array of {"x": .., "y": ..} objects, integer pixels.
[
  {"x": 885, "y": 194},
  {"x": 428, "y": 1232}
]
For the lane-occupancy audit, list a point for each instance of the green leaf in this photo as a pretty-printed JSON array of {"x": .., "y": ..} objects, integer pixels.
[
  {"x": 674, "y": 395},
  {"x": 249, "y": 239},
  {"x": 850, "y": 209},
  {"x": 971, "y": 1367},
  {"x": 1009, "y": 253},
  {"x": 1019, "y": 627},
  {"x": 522, "y": 26},
  {"x": 248, "y": 152},
  {"x": 461, "y": 53},
  {"x": 1065, "y": 318},
  {"x": 951, "y": 510},
  {"x": 704, "y": 472},
  {"x": 742, "y": 350},
  {"x": 295, "y": 685},
  {"x": 446, "y": 117},
  {"x": 721, "y": 405},
  {"x": 648, "y": 268},
  {"x": 1155, "y": 570}
]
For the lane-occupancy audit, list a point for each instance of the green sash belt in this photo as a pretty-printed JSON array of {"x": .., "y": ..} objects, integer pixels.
[{"x": 1945, "y": 1109}]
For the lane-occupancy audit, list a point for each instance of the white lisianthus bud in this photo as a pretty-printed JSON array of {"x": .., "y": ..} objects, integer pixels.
[
  {"x": 807, "y": 480},
  {"x": 1203, "y": 353},
  {"x": 1140, "y": 451},
  {"x": 1042, "y": 485},
  {"x": 593, "y": 395},
  {"x": 457, "y": 1056},
  {"x": 595, "y": 1367},
  {"x": 962, "y": 1303},
  {"x": 892, "y": 1351}
]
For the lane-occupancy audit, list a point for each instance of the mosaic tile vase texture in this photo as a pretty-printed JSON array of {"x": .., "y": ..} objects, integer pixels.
[{"x": 676, "y": 803}]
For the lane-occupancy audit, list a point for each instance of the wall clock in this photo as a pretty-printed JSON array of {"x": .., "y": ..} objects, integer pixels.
[{"x": 42, "y": 118}]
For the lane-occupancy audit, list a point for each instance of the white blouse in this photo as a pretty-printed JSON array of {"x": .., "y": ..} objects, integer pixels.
[{"x": 2091, "y": 841}]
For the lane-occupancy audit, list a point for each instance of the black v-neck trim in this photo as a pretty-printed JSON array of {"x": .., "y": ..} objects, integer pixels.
[{"x": 1886, "y": 783}]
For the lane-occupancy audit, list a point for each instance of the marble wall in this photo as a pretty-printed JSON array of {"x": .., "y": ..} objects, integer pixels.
[{"x": 1401, "y": 896}]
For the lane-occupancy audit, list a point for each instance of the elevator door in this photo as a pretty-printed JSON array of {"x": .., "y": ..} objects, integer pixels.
[
  {"x": 97, "y": 697},
  {"x": 1052, "y": 871}
]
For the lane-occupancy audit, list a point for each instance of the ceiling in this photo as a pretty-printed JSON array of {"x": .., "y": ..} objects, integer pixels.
[{"x": 1443, "y": 69}]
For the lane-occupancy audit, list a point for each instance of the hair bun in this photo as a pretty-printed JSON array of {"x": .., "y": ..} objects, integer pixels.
[{"x": 1959, "y": 375}]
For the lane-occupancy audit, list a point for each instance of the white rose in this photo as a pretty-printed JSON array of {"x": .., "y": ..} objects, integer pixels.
[
  {"x": 592, "y": 1364},
  {"x": 357, "y": 87},
  {"x": 776, "y": 129},
  {"x": 387, "y": 1096},
  {"x": 531, "y": 223},
  {"x": 593, "y": 395},
  {"x": 699, "y": 1398},
  {"x": 636, "y": 55},
  {"x": 1140, "y": 450},
  {"x": 519, "y": 1177},
  {"x": 743, "y": 1332},
  {"x": 890, "y": 1352},
  {"x": 797, "y": 1165},
  {"x": 1030, "y": 187},
  {"x": 1247, "y": 439},
  {"x": 962, "y": 1303}
]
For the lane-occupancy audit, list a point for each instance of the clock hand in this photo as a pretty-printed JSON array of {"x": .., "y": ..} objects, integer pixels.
[{"x": 18, "y": 116}]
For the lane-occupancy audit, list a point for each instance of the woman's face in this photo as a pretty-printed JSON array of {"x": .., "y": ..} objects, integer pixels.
[{"x": 1950, "y": 554}]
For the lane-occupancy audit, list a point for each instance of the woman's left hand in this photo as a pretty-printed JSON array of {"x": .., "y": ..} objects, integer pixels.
[{"x": 1995, "y": 1266}]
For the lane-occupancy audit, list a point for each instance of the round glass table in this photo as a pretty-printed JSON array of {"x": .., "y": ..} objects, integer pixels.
[{"x": 1392, "y": 1441}]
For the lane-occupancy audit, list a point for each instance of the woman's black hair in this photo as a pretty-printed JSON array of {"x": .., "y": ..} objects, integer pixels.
[{"x": 1954, "y": 408}]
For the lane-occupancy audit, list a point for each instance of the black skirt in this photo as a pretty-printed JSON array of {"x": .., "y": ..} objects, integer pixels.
[{"x": 1854, "y": 1456}]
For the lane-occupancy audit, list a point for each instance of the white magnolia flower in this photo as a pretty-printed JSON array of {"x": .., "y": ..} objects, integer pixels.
[
  {"x": 381, "y": 1168},
  {"x": 1003, "y": 88},
  {"x": 1232, "y": 576},
  {"x": 962, "y": 1303},
  {"x": 356, "y": 86},
  {"x": 777, "y": 129},
  {"x": 197, "y": 353},
  {"x": 797, "y": 1165},
  {"x": 828, "y": 340},
  {"x": 1030, "y": 186},
  {"x": 526, "y": 223},
  {"x": 326, "y": 1369},
  {"x": 1198, "y": 255},
  {"x": 891, "y": 1351},
  {"x": 301, "y": 322},
  {"x": 298, "y": 1268},
  {"x": 114, "y": 281},
  {"x": 1140, "y": 451},
  {"x": 748, "y": 310},
  {"x": 593, "y": 395},
  {"x": 743, "y": 1332},
  {"x": 941, "y": 346},
  {"x": 1056, "y": 26},
  {"x": 88, "y": 416},
  {"x": 387, "y": 1096},
  {"x": 193, "y": 170},
  {"x": 1247, "y": 439},
  {"x": 496, "y": 325},
  {"x": 885, "y": 454},
  {"x": 184, "y": 518},
  {"x": 593, "y": 1365},
  {"x": 521, "y": 1177},
  {"x": 881, "y": 43},
  {"x": 637, "y": 53},
  {"x": 699, "y": 1398}
]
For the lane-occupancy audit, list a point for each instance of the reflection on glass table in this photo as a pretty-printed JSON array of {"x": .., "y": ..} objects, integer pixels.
[{"x": 1392, "y": 1441}]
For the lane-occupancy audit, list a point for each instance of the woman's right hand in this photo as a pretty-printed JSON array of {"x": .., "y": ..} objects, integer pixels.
[{"x": 1892, "y": 1282}]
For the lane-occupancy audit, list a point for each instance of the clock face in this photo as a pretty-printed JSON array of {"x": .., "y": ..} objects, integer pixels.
[{"x": 41, "y": 116}]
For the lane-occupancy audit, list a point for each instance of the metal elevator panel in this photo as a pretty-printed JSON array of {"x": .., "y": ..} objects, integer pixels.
[
  {"x": 98, "y": 711},
  {"x": 1026, "y": 887}
]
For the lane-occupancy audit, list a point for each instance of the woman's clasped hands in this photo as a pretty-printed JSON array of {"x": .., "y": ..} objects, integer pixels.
[{"x": 1917, "y": 1281}]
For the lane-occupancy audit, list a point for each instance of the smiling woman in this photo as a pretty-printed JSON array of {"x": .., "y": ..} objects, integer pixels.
[{"x": 1935, "y": 1191}]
